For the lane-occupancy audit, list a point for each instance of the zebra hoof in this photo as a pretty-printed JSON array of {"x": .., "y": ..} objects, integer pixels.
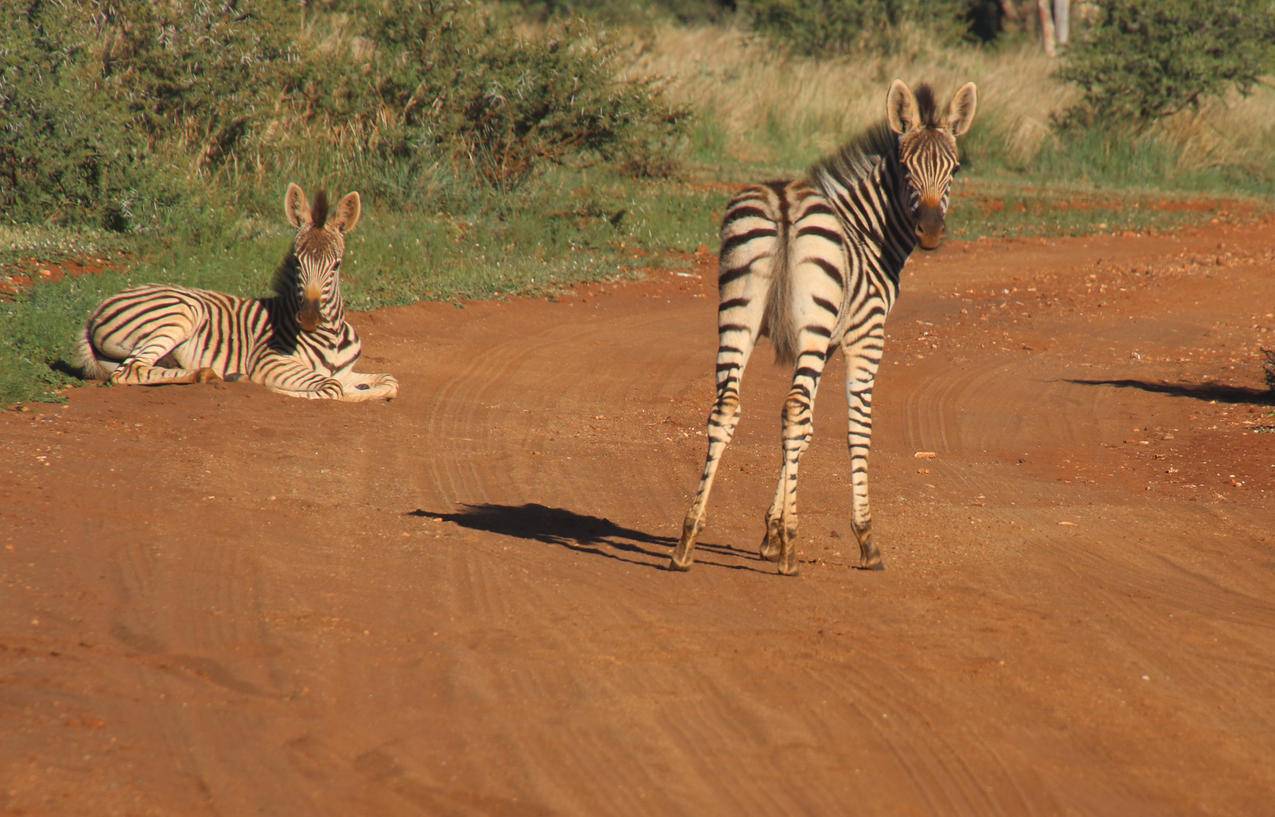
[
  {"x": 207, "y": 375},
  {"x": 675, "y": 566},
  {"x": 874, "y": 564}
]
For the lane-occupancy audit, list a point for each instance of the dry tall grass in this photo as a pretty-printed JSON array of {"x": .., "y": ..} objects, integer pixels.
[{"x": 759, "y": 96}]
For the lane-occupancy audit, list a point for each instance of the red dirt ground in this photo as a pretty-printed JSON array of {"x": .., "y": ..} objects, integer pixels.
[
  {"x": 214, "y": 600},
  {"x": 26, "y": 273}
]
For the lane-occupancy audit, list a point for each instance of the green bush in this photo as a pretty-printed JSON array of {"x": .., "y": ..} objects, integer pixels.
[
  {"x": 1147, "y": 59},
  {"x": 823, "y": 28},
  {"x": 66, "y": 153},
  {"x": 123, "y": 113},
  {"x": 628, "y": 12},
  {"x": 463, "y": 84},
  {"x": 201, "y": 72}
]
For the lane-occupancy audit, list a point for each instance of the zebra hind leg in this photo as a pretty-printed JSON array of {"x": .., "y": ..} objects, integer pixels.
[
  {"x": 798, "y": 428},
  {"x": 771, "y": 538},
  {"x": 721, "y": 428},
  {"x": 751, "y": 255},
  {"x": 141, "y": 367},
  {"x": 863, "y": 357},
  {"x": 738, "y": 321}
]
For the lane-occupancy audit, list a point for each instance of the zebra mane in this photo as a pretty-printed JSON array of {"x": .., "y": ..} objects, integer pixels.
[
  {"x": 284, "y": 281},
  {"x": 319, "y": 210},
  {"x": 926, "y": 106},
  {"x": 857, "y": 158}
]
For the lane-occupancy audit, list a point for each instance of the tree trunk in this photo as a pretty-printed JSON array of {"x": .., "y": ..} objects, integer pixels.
[
  {"x": 1062, "y": 20},
  {"x": 1046, "y": 27}
]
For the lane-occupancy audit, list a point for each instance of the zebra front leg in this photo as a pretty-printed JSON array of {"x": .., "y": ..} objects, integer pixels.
[
  {"x": 863, "y": 357},
  {"x": 358, "y": 387},
  {"x": 287, "y": 375},
  {"x": 798, "y": 429},
  {"x": 141, "y": 367}
]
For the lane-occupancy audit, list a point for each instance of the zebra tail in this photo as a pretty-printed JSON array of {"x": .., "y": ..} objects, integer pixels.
[
  {"x": 779, "y": 320},
  {"x": 87, "y": 359}
]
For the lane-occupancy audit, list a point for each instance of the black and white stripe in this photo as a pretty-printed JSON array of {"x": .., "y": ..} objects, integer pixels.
[
  {"x": 296, "y": 343},
  {"x": 815, "y": 264}
]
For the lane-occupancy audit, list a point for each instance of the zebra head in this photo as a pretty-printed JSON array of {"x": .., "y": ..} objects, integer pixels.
[
  {"x": 927, "y": 151},
  {"x": 317, "y": 250}
]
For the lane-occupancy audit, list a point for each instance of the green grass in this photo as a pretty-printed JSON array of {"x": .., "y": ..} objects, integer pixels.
[
  {"x": 22, "y": 244},
  {"x": 1000, "y": 209},
  {"x": 1116, "y": 160}
]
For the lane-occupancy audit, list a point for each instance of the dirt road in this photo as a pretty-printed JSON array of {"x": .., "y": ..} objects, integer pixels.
[{"x": 216, "y": 601}]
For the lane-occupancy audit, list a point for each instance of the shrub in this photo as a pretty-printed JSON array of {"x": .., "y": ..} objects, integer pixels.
[
  {"x": 104, "y": 99},
  {"x": 824, "y": 28},
  {"x": 1148, "y": 59},
  {"x": 628, "y": 12},
  {"x": 66, "y": 153},
  {"x": 202, "y": 72},
  {"x": 452, "y": 81}
]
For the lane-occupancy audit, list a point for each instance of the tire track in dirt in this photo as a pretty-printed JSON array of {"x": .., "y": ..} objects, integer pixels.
[{"x": 582, "y": 486}]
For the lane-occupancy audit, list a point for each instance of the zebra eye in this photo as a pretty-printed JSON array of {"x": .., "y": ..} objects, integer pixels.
[
  {"x": 956, "y": 169},
  {"x": 337, "y": 265}
]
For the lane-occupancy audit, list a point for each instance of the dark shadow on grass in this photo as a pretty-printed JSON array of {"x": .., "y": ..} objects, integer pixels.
[
  {"x": 579, "y": 532},
  {"x": 67, "y": 368},
  {"x": 1220, "y": 392}
]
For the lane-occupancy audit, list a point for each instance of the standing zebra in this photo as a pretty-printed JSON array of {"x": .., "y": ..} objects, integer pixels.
[
  {"x": 815, "y": 264},
  {"x": 296, "y": 343}
]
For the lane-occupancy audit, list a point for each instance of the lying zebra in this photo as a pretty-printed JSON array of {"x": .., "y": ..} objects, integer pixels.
[{"x": 296, "y": 343}]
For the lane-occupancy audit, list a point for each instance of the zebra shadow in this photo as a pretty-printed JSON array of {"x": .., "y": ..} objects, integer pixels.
[
  {"x": 66, "y": 367},
  {"x": 1208, "y": 390},
  {"x": 581, "y": 533}
]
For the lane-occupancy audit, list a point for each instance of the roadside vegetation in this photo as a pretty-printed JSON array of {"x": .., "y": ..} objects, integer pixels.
[{"x": 507, "y": 148}]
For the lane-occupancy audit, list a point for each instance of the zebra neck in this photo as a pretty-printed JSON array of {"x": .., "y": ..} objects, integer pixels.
[
  {"x": 287, "y": 305},
  {"x": 874, "y": 210},
  {"x": 337, "y": 308},
  {"x": 286, "y": 332}
]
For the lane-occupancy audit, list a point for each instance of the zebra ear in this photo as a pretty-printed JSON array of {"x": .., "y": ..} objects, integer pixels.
[
  {"x": 960, "y": 111},
  {"x": 348, "y": 211},
  {"x": 900, "y": 108},
  {"x": 295, "y": 206}
]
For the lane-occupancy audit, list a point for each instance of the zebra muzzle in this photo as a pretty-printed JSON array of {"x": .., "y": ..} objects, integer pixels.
[
  {"x": 309, "y": 315},
  {"x": 930, "y": 227}
]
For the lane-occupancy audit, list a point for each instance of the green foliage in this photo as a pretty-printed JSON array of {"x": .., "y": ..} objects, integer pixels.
[
  {"x": 458, "y": 83},
  {"x": 832, "y": 27},
  {"x": 1147, "y": 59},
  {"x": 628, "y": 12},
  {"x": 64, "y": 151},
  {"x": 1015, "y": 210},
  {"x": 201, "y": 72},
  {"x": 128, "y": 114}
]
